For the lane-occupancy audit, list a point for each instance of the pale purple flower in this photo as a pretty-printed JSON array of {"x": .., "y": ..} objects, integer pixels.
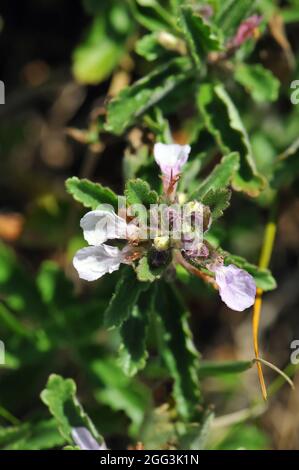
[
  {"x": 171, "y": 158},
  {"x": 237, "y": 288},
  {"x": 101, "y": 225},
  {"x": 93, "y": 262},
  {"x": 85, "y": 440},
  {"x": 98, "y": 259},
  {"x": 246, "y": 30}
]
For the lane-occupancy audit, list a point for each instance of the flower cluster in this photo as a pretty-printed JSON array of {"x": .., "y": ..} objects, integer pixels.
[{"x": 181, "y": 239}]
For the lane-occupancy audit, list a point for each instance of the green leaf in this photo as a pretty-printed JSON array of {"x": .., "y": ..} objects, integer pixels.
[
  {"x": 133, "y": 354},
  {"x": 223, "y": 121},
  {"x": 95, "y": 58},
  {"x": 134, "y": 101},
  {"x": 120, "y": 392},
  {"x": 178, "y": 350},
  {"x": 258, "y": 81},
  {"x": 286, "y": 167},
  {"x": 263, "y": 277},
  {"x": 218, "y": 369},
  {"x": 199, "y": 35},
  {"x": 60, "y": 397},
  {"x": 139, "y": 192},
  {"x": 149, "y": 47},
  {"x": 217, "y": 200},
  {"x": 123, "y": 301},
  {"x": 196, "y": 435},
  {"x": 31, "y": 436},
  {"x": 90, "y": 194},
  {"x": 231, "y": 14},
  {"x": 145, "y": 270},
  {"x": 220, "y": 177}
]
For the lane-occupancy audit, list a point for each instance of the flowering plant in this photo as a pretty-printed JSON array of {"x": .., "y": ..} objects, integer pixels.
[{"x": 145, "y": 273}]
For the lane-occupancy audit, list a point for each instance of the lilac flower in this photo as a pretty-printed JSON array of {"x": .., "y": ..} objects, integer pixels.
[
  {"x": 171, "y": 158},
  {"x": 99, "y": 226},
  {"x": 246, "y": 30},
  {"x": 93, "y": 262},
  {"x": 102, "y": 225},
  {"x": 84, "y": 439},
  {"x": 236, "y": 287}
]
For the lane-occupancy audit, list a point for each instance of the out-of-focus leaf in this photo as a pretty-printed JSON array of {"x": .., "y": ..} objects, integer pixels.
[
  {"x": 286, "y": 168},
  {"x": 223, "y": 121},
  {"x": 258, "y": 81},
  {"x": 60, "y": 397},
  {"x": 150, "y": 47},
  {"x": 199, "y": 35},
  {"x": 196, "y": 435},
  {"x": 152, "y": 15},
  {"x": 178, "y": 350},
  {"x": 90, "y": 194},
  {"x": 133, "y": 333},
  {"x": 135, "y": 100},
  {"x": 104, "y": 45},
  {"x": 218, "y": 369},
  {"x": 17, "y": 287},
  {"x": 263, "y": 277},
  {"x": 31, "y": 436},
  {"x": 231, "y": 13},
  {"x": 219, "y": 178},
  {"x": 246, "y": 437},
  {"x": 217, "y": 200},
  {"x": 127, "y": 292},
  {"x": 121, "y": 392}
]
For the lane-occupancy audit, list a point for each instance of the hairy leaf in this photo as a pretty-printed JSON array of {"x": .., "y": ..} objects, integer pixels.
[
  {"x": 123, "y": 301},
  {"x": 90, "y": 194},
  {"x": 134, "y": 101},
  {"x": 178, "y": 350},
  {"x": 223, "y": 121}
]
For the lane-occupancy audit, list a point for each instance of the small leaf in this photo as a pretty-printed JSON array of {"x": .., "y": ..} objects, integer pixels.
[
  {"x": 60, "y": 397},
  {"x": 90, "y": 194},
  {"x": 133, "y": 333},
  {"x": 258, "y": 81},
  {"x": 178, "y": 350},
  {"x": 139, "y": 192},
  {"x": 123, "y": 301},
  {"x": 134, "y": 101},
  {"x": 196, "y": 435},
  {"x": 220, "y": 177},
  {"x": 199, "y": 35},
  {"x": 217, "y": 200}
]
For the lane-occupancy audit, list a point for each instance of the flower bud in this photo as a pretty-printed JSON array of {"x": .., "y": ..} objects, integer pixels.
[{"x": 161, "y": 243}]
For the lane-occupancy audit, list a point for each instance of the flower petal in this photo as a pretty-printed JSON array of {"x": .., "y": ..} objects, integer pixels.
[
  {"x": 93, "y": 262},
  {"x": 171, "y": 157},
  {"x": 236, "y": 287},
  {"x": 102, "y": 225},
  {"x": 84, "y": 439}
]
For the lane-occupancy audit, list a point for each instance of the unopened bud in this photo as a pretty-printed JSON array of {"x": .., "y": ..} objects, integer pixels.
[{"x": 161, "y": 243}]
